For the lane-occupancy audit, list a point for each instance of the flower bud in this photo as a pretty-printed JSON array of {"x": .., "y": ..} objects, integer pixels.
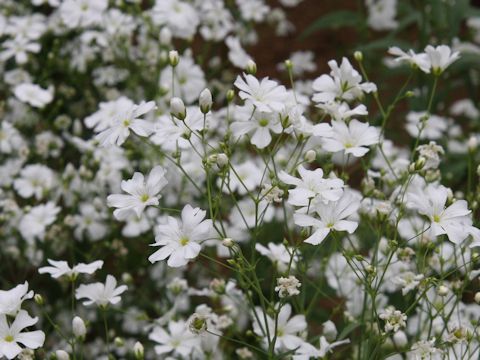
[
  {"x": 227, "y": 242},
  {"x": 310, "y": 156},
  {"x": 288, "y": 64},
  {"x": 222, "y": 160},
  {"x": 477, "y": 297},
  {"x": 62, "y": 355},
  {"x": 472, "y": 143},
  {"x": 138, "y": 351},
  {"x": 38, "y": 299},
  {"x": 119, "y": 342},
  {"x": 330, "y": 331},
  {"x": 251, "y": 67},
  {"x": 205, "y": 101},
  {"x": 173, "y": 58},
  {"x": 358, "y": 55},
  {"x": 442, "y": 290},
  {"x": 230, "y": 95},
  {"x": 78, "y": 327},
  {"x": 400, "y": 339},
  {"x": 177, "y": 108}
]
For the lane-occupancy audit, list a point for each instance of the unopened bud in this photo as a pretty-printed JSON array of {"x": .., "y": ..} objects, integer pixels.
[
  {"x": 78, "y": 327},
  {"x": 138, "y": 351},
  {"x": 227, "y": 242},
  {"x": 330, "y": 331},
  {"x": 409, "y": 94},
  {"x": 177, "y": 108},
  {"x": 358, "y": 55},
  {"x": 477, "y": 297},
  {"x": 288, "y": 64},
  {"x": 222, "y": 160},
  {"x": 119, "y": 342},
  {"x": 400, "y": 339},
  {"x": 230, "y": 95},
  {"x": 310, "y": 156},
  {"x": 62, "y": 355},
  {"x": 39, "y": 299},
  {"x": 173, "y": 58},
  {"x": 205, "y": 101},
  {"x": 472, "y": 143},
  {"x": 442, "y": 290},
  {"x": 251, "y": 67}
]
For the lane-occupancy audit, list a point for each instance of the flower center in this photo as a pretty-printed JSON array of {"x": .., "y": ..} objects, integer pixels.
[
  {"x": 8, "y": 338},
  {"x": 436, "y": 218},
  {"x": 184, "y": 240},
  {"x": 144, "y": 198},
  {"x": 126, "y": 123},
  {"x": 263, "y": 122}
]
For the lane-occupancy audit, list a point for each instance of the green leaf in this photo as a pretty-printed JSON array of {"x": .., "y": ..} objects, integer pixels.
[{"x": 334, "y": 20}]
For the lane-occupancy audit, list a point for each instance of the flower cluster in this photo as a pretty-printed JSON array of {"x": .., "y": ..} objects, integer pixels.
[{"x": 165, "y": 198}]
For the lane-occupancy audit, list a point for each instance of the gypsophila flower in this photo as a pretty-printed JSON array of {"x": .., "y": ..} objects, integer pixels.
[
  {"x": 287, "y": 286},
  {"x": 11, "y": 334},
  {"x": 181, "y": 241},
  {"x": 61, "y": 268},
  {"x": 11, "y": 300},
  {"x": 142, "y": 193},
  {"x": 265, "y": 95},
  {"x": 394, "y": 319},
  {"x": 101, "y": 294}
]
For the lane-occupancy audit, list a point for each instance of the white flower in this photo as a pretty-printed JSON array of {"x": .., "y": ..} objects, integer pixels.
[
  {"x": 18, "y": 47},
  {"x": 11, "y": 335},
  {"x": 353, "y": 138},
  {"x": 180, "y": 241},
  {"x": 381, "y": 14},
  {"x": 120, "y": 126},
  {"x": 179, "y": 16},
  {"x": 394, "y": 319},
  {"x": 178, "y": 339},
  {"x": 419, "y": 60},
  {"x": 82, "y": 13},
  {"x": 341, "y": 111},
  {"x": 33, "y": 224},
  {"x": 10, "y": 138},
  {"x": 172, "y": 133},
  {"x": 142, "y": 193},
  {"x": 455, "y": 220},
  {"x": 266, "y": 95},
  {"x": 61, "y": 268},
  {"x": 432, "y": 126},
  {"x": 35, "y": 180},
  {"x": 33, "y": 94},
  {"x": 101, "y": 294},
  {"x": 261, "y": 123},
  {"x": 332, "y": 216},
  {"x": 11, "y": 300},
  {"x": 441, "y": 57},
  {"x": 307, "y": 351},
  {"x": 287, "y": 286},
  {"x": 278, "y": 254},
  {"x": 310, "y": 185},
  {"x": 109, "y": 110},
  {"x": 89, "y": 222},
  {"x": 343, "y": 84},
  {"x": 237, "y": 55},
  {"x": 287, "y": 328},
  {"x": 425, "y": 349}
]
